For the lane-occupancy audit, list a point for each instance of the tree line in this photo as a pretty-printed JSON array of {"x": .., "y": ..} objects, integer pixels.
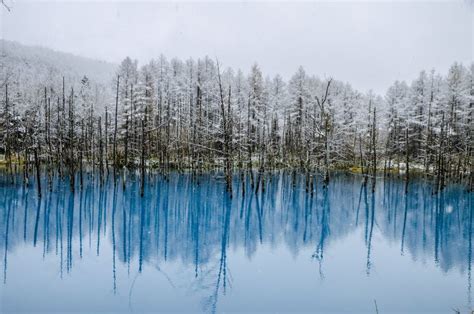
[{"x": 194, "y": 116}]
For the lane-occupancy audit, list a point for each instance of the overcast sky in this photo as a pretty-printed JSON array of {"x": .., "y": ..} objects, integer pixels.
[{"x": 369, "y": 44}]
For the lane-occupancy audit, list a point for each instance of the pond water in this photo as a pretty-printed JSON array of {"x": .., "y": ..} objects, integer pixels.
[{"x": 186, "y": 246}]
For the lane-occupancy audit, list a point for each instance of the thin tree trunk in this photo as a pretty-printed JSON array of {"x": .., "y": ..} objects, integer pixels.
[
  {"x": 115, "y": 131},
  {"x": 37, "y": 166},
  {"x": 142, "y": 162},
  {"x": 407, "y": 166},
  {"x": 374, "y": 148}
]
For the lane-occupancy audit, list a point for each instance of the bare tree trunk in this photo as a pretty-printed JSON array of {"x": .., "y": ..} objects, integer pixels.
[
  {"x": 50, "y": 148},
  {"x": 362, "y": 169},
  {"x": 226, "y": 135},
  {"x": 106, "y": 138},
  {"x": 71, "y": 161},
  {"x": 115, "y": 130},
  {"x": 60, "y": 141},
  {"x": 142, "y": 162},
  {"x": 440, "y": 170},
  {"x": 101, "y": 152},
  {"x": 374, "y": 149},
  {"x": 26, "y": 180},
  {"x": 37, "y": 166},
  {"x": 326, "y": 155},
  {"x": 8, "y": 154},
  {"x": 407, "y": 166},
  {"x": 126, "y": 140},
  {"x": 325, "y": 122},
  {"x": 81, "y": 157}
]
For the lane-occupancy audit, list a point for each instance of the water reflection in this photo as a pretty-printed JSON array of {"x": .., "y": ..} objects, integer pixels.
[{"x": 193, "y": 221}]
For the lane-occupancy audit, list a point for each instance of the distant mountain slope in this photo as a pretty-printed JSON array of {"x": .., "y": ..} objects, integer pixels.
[{"x": 40, "y": 63}]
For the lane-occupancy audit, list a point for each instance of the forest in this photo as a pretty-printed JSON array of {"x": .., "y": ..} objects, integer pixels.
[{"x": 197, "y": 116}]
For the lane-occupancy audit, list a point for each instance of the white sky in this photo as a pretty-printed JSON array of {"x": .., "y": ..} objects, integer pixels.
[{"x": 369, "y": 44}]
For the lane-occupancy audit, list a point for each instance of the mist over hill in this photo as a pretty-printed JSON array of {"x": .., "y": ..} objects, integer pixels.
[{"x": 35, "y": 65}]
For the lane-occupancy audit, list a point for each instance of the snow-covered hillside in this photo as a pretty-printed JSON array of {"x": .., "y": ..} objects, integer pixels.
[{"x": 35, "y": 65}]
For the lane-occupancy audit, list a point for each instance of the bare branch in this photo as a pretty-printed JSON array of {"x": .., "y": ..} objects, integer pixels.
[
  {"x": 325, "y": 97},
  {"x": 6, "y": 6}
]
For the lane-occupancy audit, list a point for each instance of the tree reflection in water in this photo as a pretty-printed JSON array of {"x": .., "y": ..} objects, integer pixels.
[{"x": 194, "y": 221}]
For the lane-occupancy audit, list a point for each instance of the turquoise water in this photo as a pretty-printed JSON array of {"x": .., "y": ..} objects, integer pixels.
[{"x": 186, "y": 246}]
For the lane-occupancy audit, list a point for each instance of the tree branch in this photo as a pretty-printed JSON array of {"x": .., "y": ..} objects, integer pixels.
[{"x": 5, "y": 5}]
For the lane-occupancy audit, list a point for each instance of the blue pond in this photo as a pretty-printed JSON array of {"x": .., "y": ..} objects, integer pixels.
[{"x": 186, "y": 246}]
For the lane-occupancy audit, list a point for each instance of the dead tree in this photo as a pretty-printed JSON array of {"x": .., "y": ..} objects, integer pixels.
[
  {"x": 142, "y": 161},
  {"x": 71, "y": 135},
  {"x": 37, "y": 166},
  {"x": 226, "y": 134},
  {"x": 325, "y": 122},
  {"x": 374, "y": 150},
  {"x": 101, "y": 151},
  {"x": 407, "y": 161},
  {"x": 115, "y": 131}
]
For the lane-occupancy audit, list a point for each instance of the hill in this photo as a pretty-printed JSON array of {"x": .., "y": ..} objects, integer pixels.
[{"x": 34, "y": 64}]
